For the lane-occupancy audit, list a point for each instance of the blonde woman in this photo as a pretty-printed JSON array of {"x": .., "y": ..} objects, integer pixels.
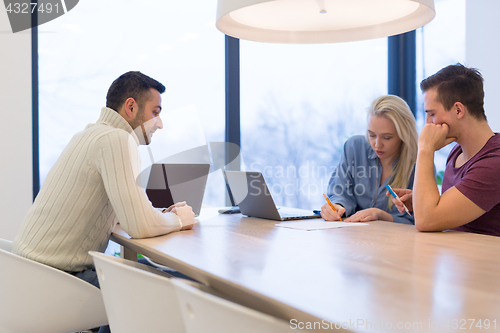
[{"x": 387, "y": 155}]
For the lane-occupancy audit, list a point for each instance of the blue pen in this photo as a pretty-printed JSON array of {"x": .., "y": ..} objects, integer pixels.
[{"x": 391, "y": 191}]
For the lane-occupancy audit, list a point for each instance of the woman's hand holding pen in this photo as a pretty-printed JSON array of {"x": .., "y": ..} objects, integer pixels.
[
  {"x": 328, "y": 214},
  {"x": 406, "y": 197}
]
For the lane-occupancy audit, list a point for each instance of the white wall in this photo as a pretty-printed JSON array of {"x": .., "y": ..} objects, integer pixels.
[
  {"x": 483, "y": 49},
  {"x": 15, "y": 137}
]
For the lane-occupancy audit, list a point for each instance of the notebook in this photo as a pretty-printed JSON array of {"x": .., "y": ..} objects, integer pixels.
[
  {"x": 252, "y": 195},
  {"x": 171, "y": 183}
]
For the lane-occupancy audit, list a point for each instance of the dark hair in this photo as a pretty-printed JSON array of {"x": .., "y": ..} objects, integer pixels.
[
  {"x": 131, "y": 84},
  {"x": 457, "y": 83}
]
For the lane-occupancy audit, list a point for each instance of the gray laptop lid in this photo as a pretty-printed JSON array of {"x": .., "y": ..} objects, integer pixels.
[
  {"x": 252, "y": 195},
  {"x": 171, "y": 183}
]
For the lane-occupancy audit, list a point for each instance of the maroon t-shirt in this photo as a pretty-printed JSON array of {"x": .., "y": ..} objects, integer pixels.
[{"x": 479, "y": 180}]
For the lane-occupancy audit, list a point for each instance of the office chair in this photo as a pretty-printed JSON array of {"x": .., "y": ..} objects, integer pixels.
[
  {"x": 138, "y": 298},
  {"x": 5, "y": 245},
  {"x": 204, "y": 312},
  {"x": 38, "y": 298}
]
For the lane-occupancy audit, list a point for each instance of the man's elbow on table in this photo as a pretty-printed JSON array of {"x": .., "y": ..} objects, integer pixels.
[
  {"x": 434, "y": 218},
  {"x": 426, "y": 222},
  {"x": 424, "y": 225}
]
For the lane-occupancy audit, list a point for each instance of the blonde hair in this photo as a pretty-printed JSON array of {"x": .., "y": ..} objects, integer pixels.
[{"x": 394, "y": 108}]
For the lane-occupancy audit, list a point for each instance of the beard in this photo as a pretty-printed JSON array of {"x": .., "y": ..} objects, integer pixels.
[
  {"x": 147, "y": 140},
  {"x": 138, "y": 126}
]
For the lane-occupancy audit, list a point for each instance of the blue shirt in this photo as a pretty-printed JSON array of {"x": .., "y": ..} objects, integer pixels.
[{"x": 355, "y": 183}]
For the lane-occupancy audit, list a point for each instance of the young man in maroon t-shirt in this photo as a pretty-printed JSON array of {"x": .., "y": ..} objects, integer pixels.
[{"x": 453, "y": 101}]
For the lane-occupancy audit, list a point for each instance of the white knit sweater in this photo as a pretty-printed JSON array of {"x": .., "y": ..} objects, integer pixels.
[{"x": 90, "y": 187}]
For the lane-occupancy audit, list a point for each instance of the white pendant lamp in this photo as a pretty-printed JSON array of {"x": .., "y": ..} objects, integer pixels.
[{"x": 320, "y": 21}]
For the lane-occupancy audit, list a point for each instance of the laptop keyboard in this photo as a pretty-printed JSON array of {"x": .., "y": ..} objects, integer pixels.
[{"x": 290, "y": 215}]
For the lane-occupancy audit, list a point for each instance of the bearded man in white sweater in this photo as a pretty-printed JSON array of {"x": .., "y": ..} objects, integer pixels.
[{"x": 93, "y": 185}]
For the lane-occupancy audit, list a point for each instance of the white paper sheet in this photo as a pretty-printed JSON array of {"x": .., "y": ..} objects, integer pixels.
[{"x": 317, "y": 225}]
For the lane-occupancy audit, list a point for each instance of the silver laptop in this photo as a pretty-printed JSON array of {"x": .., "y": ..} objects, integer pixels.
[
  {"x": 171, "y": 183},
  {"x": 252, "y": 195}
]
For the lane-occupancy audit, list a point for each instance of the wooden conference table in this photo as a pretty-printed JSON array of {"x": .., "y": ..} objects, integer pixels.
[{"x": 363, "y": 278}]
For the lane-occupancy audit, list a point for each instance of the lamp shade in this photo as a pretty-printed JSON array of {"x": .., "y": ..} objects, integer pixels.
[{"x": 320, "y": 21}]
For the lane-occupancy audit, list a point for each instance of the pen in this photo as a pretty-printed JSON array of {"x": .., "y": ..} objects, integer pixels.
[
  {"x": 391, "y": 191},
  {"x": 331, "y": 205}
]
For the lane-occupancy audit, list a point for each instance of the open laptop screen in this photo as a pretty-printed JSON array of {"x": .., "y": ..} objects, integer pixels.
[
  {"x": 254, "y": 198},
  {"x": 171, "y": 183}
]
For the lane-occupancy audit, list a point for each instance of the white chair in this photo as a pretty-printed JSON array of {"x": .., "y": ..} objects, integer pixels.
[
  {"x": 5, "y": 245},
  {"x": 39, "y": 298},
  {"x": 138, "y": 298},
  {"x": 206, "y": 313}
]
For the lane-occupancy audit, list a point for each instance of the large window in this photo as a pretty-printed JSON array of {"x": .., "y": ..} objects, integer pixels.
[
  {"x": 82, "y": 52},
  {"x": 439, "y": 44},
  {"x": 299, "y": 103}
]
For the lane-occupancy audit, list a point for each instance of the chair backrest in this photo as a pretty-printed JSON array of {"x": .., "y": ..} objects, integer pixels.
[
  {"x": 206, "y": 313},
  {"x": 5, "y": 245},
  {"x": 138, "y": 298},
  {"x": 39, "y": 298}
]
